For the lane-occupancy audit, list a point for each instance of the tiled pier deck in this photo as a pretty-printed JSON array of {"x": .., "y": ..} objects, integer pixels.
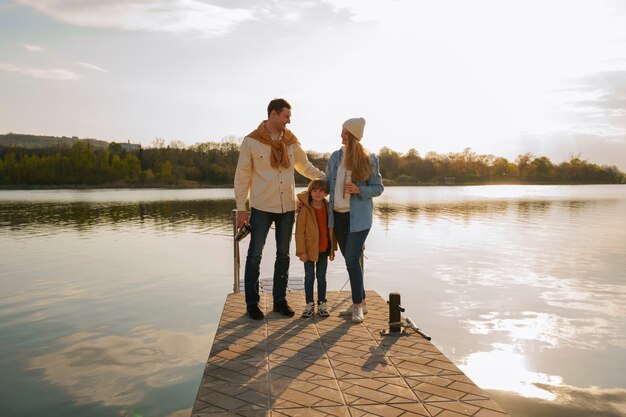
[{"x": 330, "y": 367}]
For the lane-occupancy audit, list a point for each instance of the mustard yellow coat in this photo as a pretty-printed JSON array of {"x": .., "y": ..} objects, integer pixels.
[{"x": 307, "y": 232}]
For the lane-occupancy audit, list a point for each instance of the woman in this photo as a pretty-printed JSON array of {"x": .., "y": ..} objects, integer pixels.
[{"x": 353, "y": 178}]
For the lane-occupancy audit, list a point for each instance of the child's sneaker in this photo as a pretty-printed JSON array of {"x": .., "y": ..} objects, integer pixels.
[
  {"x": 322, "y": 310},
  {"x": 350, "y": 310},
  {"x": 308, "y": 310}
]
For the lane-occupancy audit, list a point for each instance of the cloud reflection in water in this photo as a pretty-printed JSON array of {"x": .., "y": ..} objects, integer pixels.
[
  {"x": 119, "y": 370},
  {"x": 486, "y": 369}
]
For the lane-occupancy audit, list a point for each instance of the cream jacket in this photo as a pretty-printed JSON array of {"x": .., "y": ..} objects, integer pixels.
[{"x": 270, "y": 189}]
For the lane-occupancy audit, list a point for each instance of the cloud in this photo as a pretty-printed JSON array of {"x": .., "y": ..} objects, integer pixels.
[
  {"x": 601, "y": 149},
  {"x": 363, "y": 10},
  {"x": 172, "y": 16},
  {"x": 590, "y": 120},
  {"x": 91, "y": 66},
  {"x": 599, "y": 94},
  {"x": 57, "y": 74},
  {"x": 33, "y": 48}
]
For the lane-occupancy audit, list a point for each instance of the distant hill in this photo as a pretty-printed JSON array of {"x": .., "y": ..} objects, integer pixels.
[{"x": 36, "y": 142}]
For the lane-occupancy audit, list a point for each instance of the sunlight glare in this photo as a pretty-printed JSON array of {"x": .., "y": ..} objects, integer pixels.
[{"x": 504, "y": 369}]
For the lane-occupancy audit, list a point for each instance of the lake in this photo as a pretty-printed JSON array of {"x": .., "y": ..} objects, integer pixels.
[{"x": 109, "y": 299}]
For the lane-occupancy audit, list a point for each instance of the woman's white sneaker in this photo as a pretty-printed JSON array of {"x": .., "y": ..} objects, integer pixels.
[
  {"x": 350, "y": 310},
  {"x": 357, "y": 315}
]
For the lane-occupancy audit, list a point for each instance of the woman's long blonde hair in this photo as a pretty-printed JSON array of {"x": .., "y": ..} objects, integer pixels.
[{"x": 358, "y": 159}]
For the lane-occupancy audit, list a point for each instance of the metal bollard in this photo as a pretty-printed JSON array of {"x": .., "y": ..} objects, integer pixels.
[{"x": 395, "y": 317}]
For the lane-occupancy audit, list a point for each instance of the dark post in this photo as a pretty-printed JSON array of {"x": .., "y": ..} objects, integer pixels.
[
  {"x": 394, "y": 313},
  {"x": 395, "y": 318}
]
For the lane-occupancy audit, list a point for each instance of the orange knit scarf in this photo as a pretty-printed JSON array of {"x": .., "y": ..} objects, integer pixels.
[{"x": 279, "y": 147}]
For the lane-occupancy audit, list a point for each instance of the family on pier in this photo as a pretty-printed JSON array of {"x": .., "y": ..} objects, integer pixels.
[{"x": 265, "y": 173}]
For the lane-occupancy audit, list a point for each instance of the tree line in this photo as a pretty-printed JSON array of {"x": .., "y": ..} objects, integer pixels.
[{"x": 213, "y": 164}]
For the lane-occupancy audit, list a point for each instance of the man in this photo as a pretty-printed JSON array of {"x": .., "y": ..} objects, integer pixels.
[{"x": 267, "y": 158}]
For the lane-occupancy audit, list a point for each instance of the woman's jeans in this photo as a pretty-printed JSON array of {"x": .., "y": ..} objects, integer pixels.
[
  {"x": 261, "y": 222},
  {"x": 351, "y": 246},
  {"x": 312, "y": 270}
]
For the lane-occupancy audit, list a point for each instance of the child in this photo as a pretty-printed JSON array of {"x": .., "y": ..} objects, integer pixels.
[{"x": 313, "y": 244}]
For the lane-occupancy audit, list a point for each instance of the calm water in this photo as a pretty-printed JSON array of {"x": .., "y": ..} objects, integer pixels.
[{"x": 109, "y": 299}]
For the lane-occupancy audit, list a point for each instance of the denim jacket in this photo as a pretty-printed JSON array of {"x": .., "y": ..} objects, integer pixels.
[{"x": 361, "y": 205}]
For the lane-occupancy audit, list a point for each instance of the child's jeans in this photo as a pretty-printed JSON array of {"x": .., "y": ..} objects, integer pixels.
[{"x": 313, "y": 270}]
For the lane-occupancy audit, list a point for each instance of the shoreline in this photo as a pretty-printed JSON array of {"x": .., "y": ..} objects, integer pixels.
[{"x": 213, "y": 186}]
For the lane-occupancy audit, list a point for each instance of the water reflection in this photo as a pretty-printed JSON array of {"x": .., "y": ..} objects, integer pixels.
[
  {"x": 389, "y": 212},
  {"x": 524, "y": 279},
  {"x": 216, "y": 214},
  {"x": 487, "y": 371},
  {"x": 119, "y": 370},
  {"x": 197, "y": 214}
]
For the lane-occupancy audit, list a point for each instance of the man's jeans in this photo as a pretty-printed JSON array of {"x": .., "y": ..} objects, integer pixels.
[
  {"x": 261, "y": 222},
  {"x": 351, "y": 246},
  {"x": 311, "y": 271}
]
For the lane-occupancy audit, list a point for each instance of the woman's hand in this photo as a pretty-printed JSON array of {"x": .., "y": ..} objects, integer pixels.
[
  {"x": 303, "y": 257},
  {"x": 331, "y": 256},
  {"x": 352, "y": 188}
]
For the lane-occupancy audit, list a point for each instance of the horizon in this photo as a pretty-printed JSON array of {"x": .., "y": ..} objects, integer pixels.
[
  {"x": 423, "y": 155},
  {"x": 502, "y": 79}
]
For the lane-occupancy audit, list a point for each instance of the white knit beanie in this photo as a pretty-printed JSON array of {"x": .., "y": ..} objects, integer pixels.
[{"x": 355, "y": 126}]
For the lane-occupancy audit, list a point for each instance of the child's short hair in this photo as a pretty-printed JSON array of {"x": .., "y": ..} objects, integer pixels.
[{"x": 318, "y": 185}]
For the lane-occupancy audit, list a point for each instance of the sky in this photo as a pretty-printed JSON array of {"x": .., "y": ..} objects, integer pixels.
[{"x": 501, "y": 77}]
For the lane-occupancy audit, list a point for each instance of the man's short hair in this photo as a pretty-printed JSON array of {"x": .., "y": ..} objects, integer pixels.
[{"x": 278, "y": 104}]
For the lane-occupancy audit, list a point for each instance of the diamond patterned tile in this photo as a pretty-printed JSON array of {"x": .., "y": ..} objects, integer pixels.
[
  {"x": 338, "y": 327},
  {"x": 410, "y": 345},
  {"x": 329, "y": 366},
  {"x": 237, "y": 352},
  {"x": 418, "y": 366},
  {"x": 283, "y": 351},
  {"x": 451, "y": 408},
  {"x": 239, "y": 335},
  {"x": 360, "y": 391},
  {"x": 389, "y": 410},
  {"x": 437, "y": 388},
  {"x": 240, "y": 371},
  {"x": 242, "y": 349},
  {"x": 346, "y": 332},
  {"x": 356, "y": 348},
  {"x": 362, "y": 367},
  {"x": 241, "y": 413},
  {"x": 294, "y": 393},
  {"x": 285, "y": 333},
  {"x": 224, "y": 396},
  {"x": 303, "y": 367},
  {"x": 487, "y": 406},
  {"x": 338, "y": 411}
]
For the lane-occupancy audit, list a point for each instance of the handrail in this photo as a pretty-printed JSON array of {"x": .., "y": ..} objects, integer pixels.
[{"x": 236, "y": 256}]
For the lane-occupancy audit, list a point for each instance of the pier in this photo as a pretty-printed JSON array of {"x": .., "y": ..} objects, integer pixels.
[{"x": 329, "y": 366}]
